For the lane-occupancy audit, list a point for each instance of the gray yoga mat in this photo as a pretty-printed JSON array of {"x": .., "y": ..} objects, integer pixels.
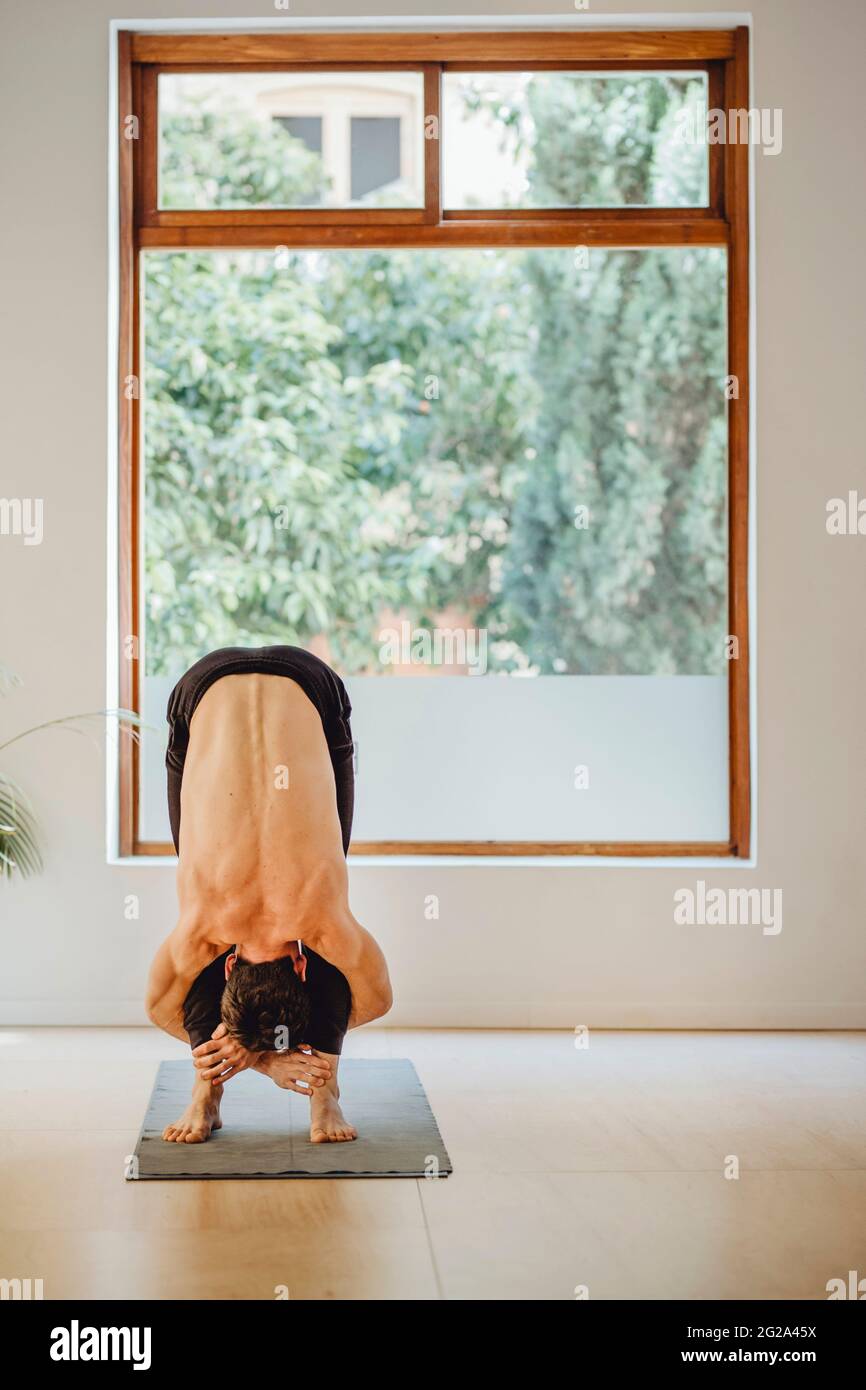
[{"x": 266, "y": 1131}]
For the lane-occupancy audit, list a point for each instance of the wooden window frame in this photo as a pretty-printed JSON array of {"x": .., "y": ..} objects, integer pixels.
[{"x": 723, "y": 53}]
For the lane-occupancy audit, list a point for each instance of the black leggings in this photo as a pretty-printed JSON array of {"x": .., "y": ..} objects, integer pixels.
[{"x": 330, "y": 997}]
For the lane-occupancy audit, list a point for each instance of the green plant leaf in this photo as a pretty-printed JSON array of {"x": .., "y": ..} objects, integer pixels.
[{"x": 19, "y": 847}]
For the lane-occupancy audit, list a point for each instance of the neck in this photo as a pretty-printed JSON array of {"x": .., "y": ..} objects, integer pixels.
[{"x": 259, "y": 952}]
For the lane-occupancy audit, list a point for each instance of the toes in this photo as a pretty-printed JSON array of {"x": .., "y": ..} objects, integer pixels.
[{"x": 341, "y": 1134}]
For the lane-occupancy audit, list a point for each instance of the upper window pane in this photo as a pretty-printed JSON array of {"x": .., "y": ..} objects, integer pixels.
[
  {"x": 291, "y": 140},
  {"x": 574, "y": 139}
]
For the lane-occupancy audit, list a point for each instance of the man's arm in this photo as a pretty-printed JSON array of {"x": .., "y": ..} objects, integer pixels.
[
  {"x": 348, "y": 946},
  {"x": 179, "y": 960}
]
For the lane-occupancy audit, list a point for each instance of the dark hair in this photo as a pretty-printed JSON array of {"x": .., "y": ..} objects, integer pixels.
[{"x": 259, "y": 999}]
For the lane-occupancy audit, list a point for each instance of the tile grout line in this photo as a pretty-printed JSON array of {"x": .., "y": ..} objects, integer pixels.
[{"x": 429, "y": 1235}]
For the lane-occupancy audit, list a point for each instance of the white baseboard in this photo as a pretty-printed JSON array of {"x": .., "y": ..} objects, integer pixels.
[
  {"x": 39, "y": 1013},
  {"x": 692, "y": 1016}
]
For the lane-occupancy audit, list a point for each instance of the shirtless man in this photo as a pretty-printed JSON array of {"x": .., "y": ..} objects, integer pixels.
[{"x": 266, "y": 967}]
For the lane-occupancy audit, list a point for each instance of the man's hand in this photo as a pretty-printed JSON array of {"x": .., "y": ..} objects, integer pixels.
[
  {"x": 222, "y": 1057},
  {"x": 287, "y": 1069}
]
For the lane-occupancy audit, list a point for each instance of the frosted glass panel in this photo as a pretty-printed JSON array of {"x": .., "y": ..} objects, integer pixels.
[{"x": 520, "y": 758}]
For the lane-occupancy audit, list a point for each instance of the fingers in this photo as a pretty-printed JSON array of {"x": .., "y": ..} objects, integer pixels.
[
  {"x": 217, "y": 1075},
  {"x": 290, "y": 1083},
  {"x": 298, "y": 1079},
  {"x": 225, "y": 1055},
  {"x": 205, "y": 1064},
  {"x": 301, "y": 1071},
  {"x": 208, "y": 1067},
  {"x": 214, "y": 1073},
  {"x": 293, "y": 1086},
  {"x": 220, "y": 1031},
  {"x": 313, "y": 1063}
]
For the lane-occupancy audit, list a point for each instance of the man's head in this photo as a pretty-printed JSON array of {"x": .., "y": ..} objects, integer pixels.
[{"x": 261, "y": 998}]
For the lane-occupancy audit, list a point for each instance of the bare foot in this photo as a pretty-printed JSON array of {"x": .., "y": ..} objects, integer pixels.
[
  {"x": 327, "y": 1122},
  {"x": 200, "y": 1118}
]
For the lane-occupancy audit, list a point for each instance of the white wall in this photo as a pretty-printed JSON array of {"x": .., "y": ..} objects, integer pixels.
[{"x": 513, "y": 945}]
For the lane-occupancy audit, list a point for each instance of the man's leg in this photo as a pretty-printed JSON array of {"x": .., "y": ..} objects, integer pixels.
[
  {"x": 201, "y": 1010},
  {"x": 327, "y": 1122},
  {"x": 201, "y": 1016},
  {"x": 330, "y": 1006},
  {"x": 330, "y": 996},
  {"x": 201, "y": 1117},
  {"x": 328, "y": 1125}
]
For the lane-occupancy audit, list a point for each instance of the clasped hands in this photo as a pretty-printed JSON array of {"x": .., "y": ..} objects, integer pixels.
[{"x": 222, "y": 1057}]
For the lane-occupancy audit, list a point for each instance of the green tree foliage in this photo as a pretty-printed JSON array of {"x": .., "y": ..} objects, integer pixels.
[
  {"x": 590, "y": 141},
  {"x": 259, "y": 524},
  {"x": 333, "y": 435},
  {"x": 632, "y": 429},
  {"x": 222, "y": 158},
  {"x": 631, "y": 360},
  {"x": 463, "y": 320}
]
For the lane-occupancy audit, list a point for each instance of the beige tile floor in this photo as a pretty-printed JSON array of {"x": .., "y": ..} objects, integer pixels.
[{"x": 602, "y": 1168}]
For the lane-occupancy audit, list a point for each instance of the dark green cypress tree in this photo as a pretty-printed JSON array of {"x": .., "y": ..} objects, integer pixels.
[{"x": 630, "y": 364}]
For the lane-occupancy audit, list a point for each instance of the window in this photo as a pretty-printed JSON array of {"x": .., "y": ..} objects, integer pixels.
[
  {"x": 375, "y": 154},
  {"x": 349, "y": 139},
  {"x": 574, "y": 139},
  {"x": 307, "y": 129},
  {"x": 441, "y": 354}
]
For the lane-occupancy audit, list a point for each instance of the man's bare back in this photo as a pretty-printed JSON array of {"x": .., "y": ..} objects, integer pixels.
[{"x": 261, "y": 850}]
